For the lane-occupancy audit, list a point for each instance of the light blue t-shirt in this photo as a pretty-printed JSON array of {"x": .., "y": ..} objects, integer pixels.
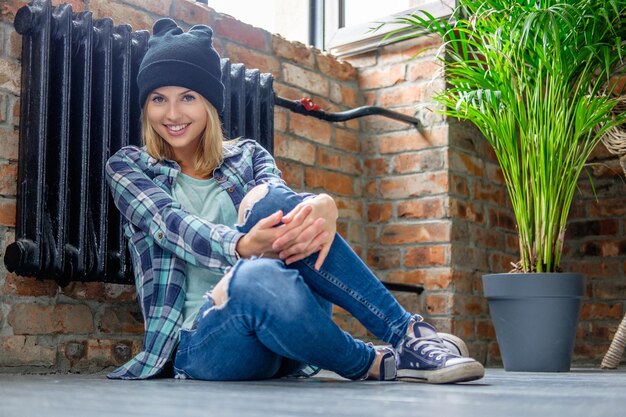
[{"x": 207, "y": 199}]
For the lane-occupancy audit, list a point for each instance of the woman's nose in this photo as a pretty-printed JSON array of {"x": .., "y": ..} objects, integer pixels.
[{"x": 173, "y": 112}]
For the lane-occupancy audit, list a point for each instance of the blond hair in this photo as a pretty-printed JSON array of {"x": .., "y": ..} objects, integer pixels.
[{"x": 210, "y": 152}]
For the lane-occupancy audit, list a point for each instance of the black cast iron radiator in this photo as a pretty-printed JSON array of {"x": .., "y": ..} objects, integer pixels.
[{"x": 79, "y": 106}]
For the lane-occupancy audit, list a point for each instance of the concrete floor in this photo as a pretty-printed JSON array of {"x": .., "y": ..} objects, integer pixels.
[{"x": 578, "y": 393}]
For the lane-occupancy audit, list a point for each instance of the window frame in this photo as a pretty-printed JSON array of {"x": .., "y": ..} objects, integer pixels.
[{"x": 358, "y": 39}]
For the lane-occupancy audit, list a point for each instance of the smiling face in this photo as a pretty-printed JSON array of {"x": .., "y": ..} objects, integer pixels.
[{"x": 179, "y": 116}]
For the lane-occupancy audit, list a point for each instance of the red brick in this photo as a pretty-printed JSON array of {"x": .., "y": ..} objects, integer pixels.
[
  {"x": 432, "y": 255},
  {"x": 7, "y": 212},
  {"x": 609, "y": 289},
  {"x": 8, "y": 8},
  {"x": 416, "y": 185},
  {"x": 20, "y": 350},
  {"x": 382, "y": 77},
  {"x": 8, "y": 179},
  {"x": 367, "y": 59},
  {"x": 288, "y": 92},
  {"x": 466, "y": 164},
  {"x": 4, "y": 104},
  {"x": 438, "y": 303},
  {"x": 293, "y": 51},
  {"x": 29, "y": 287},
  {"x": 117, "y": 319},
  {"x": 10, "y": 73},
  {"x": 376, "y": 167},
  {"x": 295, "y": 149},
  {"x": 430, "y": 278},
  {"x": 470, "y": 256},
  {"x": 469, "y": 305},
  {"x": 410, "y": 93},
  {"x": 608, "y": 207},
  {"x": 340, "y": 70},
  {"x": 95, "y": 355},
  {"x": 306, "y": 79},
  {"x": 406, "y": 51},
  {"x": 466, "y": 211},
  {"x": 235, "y": 30},
  {"x": 489, "y": 192},
  {"x": 280, "y": 119},
  {"x": 422, "y": 208},
  {"x": 293, "y": 173},
  {"x": 379, "y": 213},
  {"x": 347, "y": 140},
  {"x": 345, "y": 95},
  {"x": 349, "y": 208},
  {"x": 16, "y": 112},
  {"x": 252, "y": 59},
  {"x": 371, "y": 189},
  {"x": 54, "y": 319},
  {"x": 193, "y": 13},
  {"x": 331, "y": 182},
  {"x": 601, "y": 311},
  {"x": 413, "y": 140},
  {"x": 383, "y": 258},
  {"x": 160, "y": 7},
  {"x": 485, "y": 330},
  {"x": 121, "y": 14},
  {"x": 398, "y": 234},
  {"x": 310, "y": 128},
  {"x": 463, "y": 329},
  {"x": 502, "y": 219},
  {"x": 339, "y": 161},
  {"x": 425, "y": 69},
  {"x": 426, "y": 160},
  {"x": 459, "y": 185},
  {"x": 100, "y": 291}
]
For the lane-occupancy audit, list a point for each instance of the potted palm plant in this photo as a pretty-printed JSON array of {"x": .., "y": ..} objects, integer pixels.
[{"x": 533, "y": 76}]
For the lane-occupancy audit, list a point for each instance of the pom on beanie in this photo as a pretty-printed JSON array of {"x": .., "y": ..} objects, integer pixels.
[{"x": 182, "y": 59}]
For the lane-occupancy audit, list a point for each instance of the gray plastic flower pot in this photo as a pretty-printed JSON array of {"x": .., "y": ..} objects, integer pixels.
[{"x": 535, "y": 317}]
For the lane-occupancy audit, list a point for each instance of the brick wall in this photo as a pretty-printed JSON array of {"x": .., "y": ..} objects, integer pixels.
[
  {"x": 420, "y": 206},
  {"x": 88, "y": 326}
]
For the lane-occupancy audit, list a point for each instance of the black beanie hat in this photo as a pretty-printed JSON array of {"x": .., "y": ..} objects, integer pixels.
[{"x": 176, "y": 58}]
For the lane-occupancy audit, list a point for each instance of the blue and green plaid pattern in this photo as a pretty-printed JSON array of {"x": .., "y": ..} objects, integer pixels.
[{"x": 162, "y": 237}]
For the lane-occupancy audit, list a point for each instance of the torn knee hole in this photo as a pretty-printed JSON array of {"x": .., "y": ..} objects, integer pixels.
[
  {"x": 250, "y": 199},
  {"x": 220, "y": 292}
]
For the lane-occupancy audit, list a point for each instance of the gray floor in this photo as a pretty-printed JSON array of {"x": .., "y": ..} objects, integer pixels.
[{"x": 577, "y": 393}]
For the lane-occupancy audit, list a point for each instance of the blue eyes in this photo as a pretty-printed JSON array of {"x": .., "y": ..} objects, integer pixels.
[{"x": 158, "y": 99}]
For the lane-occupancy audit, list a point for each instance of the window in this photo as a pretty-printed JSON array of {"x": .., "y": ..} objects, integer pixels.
[
  {"x": 342, "y": 27},
  {"x": 361, "y": 16}
]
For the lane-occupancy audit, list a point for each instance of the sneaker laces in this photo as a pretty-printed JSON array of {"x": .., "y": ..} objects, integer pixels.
[{"x": 430, "y": 347}]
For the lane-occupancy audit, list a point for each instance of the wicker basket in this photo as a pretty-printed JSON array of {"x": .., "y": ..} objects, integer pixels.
[{"x": 615, "y": 138}]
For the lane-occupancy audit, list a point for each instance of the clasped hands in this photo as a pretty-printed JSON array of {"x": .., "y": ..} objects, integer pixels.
[{"x": 308, "y": 228}]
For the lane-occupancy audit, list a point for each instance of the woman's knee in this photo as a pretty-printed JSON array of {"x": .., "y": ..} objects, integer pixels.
[
  {"x": 254, "y": 195},
  {"x": 264, "y": 200},
  {"x": 265, "y": 281}
]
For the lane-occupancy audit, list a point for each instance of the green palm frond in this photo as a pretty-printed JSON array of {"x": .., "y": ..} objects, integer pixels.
[{"x": 533, "y": 76}]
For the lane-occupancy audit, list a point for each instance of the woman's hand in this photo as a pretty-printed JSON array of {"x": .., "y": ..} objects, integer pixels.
[
  {"x": 259, "y": 241},
  {"x": 313, "y": 227}
]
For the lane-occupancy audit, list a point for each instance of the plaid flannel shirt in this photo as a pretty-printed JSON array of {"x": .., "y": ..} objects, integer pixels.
[{"x": 163, "y": 237}]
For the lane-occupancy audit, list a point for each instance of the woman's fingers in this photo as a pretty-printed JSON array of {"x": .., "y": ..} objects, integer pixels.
[
  {"x": 269, "y": 221},
  {"x": 322, "y": 255},
  {"x": 290, "y": 233}
]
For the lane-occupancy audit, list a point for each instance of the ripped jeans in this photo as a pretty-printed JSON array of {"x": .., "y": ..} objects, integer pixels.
[{"x": 277, "y": 318}]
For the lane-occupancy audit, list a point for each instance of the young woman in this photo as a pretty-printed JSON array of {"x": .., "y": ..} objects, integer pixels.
[{"x": 235, "y": 272}]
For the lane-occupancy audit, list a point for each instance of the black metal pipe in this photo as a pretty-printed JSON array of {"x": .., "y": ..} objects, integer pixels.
[{"x": 298, "y": 107}]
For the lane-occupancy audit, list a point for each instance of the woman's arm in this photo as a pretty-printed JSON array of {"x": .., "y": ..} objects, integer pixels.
[{"x": 148, "y": 207}]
